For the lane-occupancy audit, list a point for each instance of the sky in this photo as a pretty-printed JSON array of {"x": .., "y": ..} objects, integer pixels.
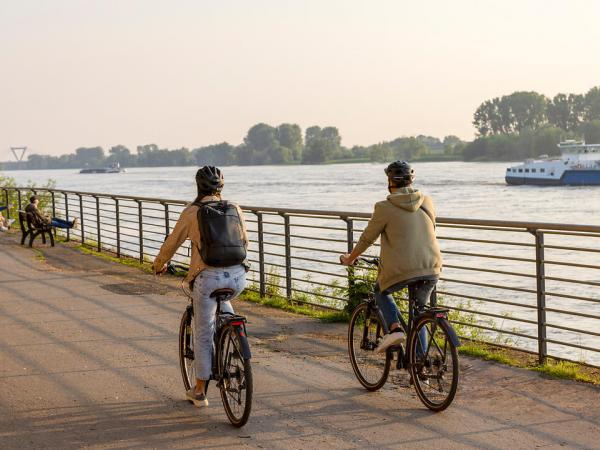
[{"x": 183, "y": 73}]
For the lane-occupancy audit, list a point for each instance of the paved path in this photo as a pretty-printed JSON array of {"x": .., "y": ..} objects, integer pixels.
[{"x": 88, "y": 358}]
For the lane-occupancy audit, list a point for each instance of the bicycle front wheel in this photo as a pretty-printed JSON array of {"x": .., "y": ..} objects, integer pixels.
[
  {"x": 236, "y": 377},
  {"x": 433, "y": 363},
  {"x": 186, "y": 349},
  {"x": 365, "y": 331}
]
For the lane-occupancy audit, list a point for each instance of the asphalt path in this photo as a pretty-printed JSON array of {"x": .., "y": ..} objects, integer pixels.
[{"x": 88, "y": 359}]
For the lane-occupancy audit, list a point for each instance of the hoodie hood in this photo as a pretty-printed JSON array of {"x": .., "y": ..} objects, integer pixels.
[{"x": 406, "y": 198}]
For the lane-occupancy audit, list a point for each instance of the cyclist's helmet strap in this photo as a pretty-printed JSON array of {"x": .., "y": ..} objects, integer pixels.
[
  {"x": 400, "y": 173},
  {"x": 209, "y": 180}
]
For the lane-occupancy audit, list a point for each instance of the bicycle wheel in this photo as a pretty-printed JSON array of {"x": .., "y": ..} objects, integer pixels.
[
  {"x": 364, "y": 333},
  {"x": 433, "y": 363},
  {"x": 236, "y": 378},
  {"x": 186, "y": 349}
]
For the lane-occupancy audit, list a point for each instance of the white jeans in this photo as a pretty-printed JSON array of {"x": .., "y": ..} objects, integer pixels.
[{"x": 205, "y": 308}]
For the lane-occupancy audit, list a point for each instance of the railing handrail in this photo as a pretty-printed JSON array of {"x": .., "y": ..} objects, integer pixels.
[{"x": 531, "y": 226}]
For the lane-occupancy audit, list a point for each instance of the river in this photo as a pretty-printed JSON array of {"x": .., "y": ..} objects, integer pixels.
[{"x": 459, "y": 189}]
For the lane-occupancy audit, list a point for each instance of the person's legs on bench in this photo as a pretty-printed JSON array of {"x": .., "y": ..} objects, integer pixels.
[{"x": 61, "y": 223}]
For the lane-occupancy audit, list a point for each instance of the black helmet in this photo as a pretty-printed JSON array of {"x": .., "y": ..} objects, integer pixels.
[
  {"x": 209, "y": 180},
  {"x": 400, "y": 173}
]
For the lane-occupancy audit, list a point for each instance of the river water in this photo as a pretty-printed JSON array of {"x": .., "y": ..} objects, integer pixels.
[{"x": 459, "y": 190}]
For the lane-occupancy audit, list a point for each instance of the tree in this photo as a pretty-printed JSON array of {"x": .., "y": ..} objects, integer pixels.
[
  {"x": 511, "y": 114},
  {"x": 89, "y": 156},
  {"x": 407, "y": 148},
  {"x": 380, "y": 152},
  {"x": 321, "y": 144},
  {"x": 566, "y": 111},
  {"x": 592, "y": 104},
  {"x": 591, "y": 132},
  {"x": 290, "y": 136},
  {"x": 120, "y": 154},
  {"x": 222, "y": 154}
]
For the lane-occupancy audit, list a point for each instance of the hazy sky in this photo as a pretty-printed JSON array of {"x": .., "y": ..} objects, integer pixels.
[{"x": 190, "y": 73}]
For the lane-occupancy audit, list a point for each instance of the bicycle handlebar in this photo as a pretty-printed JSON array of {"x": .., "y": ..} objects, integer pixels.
[
  {"x": 370, "y": 261},
  {"x": 173, "y": 267}
]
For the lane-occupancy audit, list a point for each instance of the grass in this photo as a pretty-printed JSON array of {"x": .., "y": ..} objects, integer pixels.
[
  {"x": 39, "y": 255},
  {"x": 294, "y": 307},
  {"x": 516, "y": 358},
  {"x": 127, "y": 261}
]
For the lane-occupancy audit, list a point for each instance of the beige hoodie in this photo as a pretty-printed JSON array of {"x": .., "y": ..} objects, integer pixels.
[{"x": 409, "y": 248}]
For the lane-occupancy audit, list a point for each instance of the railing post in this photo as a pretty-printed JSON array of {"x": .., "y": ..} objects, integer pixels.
[
  {"x": 7, "y": 205},
  {"x": 167, "y": 220},
  {"x": 67, "y": 215},
  {"x": 81, "y": 214},
  {"x": 19, "y": 197},
  {"x": 261, "y": 254},
  {"x": 53, "y": 209},
  {"x": 541, "y": 296},
  {"x": 118, "y": 227},
  {"x": 288, "y": 256},
  {"x": 98, "y": 224},
  {"x": 141, "y": 230},
  {"x": 350, "y": 246}
]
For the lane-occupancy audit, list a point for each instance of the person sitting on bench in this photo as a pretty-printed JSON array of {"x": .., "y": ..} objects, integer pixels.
[
  {"x": 5, "y": 223},
  {"x": 47, "y": 220}
]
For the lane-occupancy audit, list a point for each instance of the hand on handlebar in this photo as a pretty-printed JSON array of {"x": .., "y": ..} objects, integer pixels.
[
  {"x": 346, "y": 260},
  {"x": 163, "y": 270}
]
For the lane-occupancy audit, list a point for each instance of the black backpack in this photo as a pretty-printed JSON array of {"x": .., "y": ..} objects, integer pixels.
[{"x": 221, "y": 235}]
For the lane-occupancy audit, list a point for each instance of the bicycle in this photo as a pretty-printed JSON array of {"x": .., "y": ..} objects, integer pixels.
[
  {"x": 231, "y": 355},
  {"x": 430, "y": 356}
]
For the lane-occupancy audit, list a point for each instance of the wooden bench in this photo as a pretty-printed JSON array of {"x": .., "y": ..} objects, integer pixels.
[{"x": 32, "y": 228}]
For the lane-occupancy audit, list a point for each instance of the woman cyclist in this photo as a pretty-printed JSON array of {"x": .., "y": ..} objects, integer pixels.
[{"x": 203, "y": 279}]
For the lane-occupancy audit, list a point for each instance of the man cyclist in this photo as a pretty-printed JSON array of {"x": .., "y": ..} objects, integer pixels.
[
  {"x": 203, "y": 279},
  {"x": 410, "y": 254}
]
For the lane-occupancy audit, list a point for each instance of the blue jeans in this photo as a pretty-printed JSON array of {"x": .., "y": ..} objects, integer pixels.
[
  {"x": 61, "y": 223},
  {"x": 206, "y": 282},
  {"x": 419, "y": 294}
]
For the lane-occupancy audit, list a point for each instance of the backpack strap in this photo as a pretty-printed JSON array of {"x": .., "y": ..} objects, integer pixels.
[{"x": 426, "y": 211}]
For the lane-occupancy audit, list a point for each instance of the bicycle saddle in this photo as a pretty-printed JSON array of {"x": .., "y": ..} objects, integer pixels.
[{"x": 224, "y": 292}]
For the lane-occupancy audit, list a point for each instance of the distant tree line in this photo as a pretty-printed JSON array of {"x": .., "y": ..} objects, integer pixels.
[
  {"x": 528, "y": 124},
  {"x": 263, "y": 144}
]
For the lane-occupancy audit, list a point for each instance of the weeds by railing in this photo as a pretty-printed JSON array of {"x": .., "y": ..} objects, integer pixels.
[{"x": 524, "y": 284}]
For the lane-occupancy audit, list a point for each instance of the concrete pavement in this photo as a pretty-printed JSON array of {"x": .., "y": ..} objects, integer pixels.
[{"x": 88, "y": 358}]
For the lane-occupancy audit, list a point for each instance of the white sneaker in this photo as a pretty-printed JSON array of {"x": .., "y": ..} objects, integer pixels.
[
  {"x": 389, "y": 340},
  {"x": 198, "y": 400}
]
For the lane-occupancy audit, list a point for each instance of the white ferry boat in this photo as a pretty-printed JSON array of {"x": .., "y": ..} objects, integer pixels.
[{"x": 578, "y": 165}]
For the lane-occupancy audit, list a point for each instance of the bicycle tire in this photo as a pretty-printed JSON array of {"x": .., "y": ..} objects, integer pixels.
[
  {"x": 433, "y": 364},
  {"x": 235, "y": 377},
  {"x": 361, "y": 353},
  {"x": 186, "y": 349}
]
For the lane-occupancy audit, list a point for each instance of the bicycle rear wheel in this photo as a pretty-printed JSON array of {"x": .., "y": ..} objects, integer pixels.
[
  {"x": 433, "y": 363},
  {"x": 236, "y": 377},
  {"x": 365, "y": 331},
  {"x": 186, "y": 349}
]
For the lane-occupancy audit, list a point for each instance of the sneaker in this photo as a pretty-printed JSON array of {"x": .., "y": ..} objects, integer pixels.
[
  {"x": 389, "y": 340},
  {"x": 198, "y": 400},
  {"x": 75, "y": 222}
]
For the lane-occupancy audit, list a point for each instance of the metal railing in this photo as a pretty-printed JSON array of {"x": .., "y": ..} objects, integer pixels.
[{"x": 535, "y": 286}]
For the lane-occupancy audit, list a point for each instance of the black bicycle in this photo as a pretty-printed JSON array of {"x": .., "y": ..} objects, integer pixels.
[
  {"x": 430, "y": 355},
  {"x": 231, "y": 355}
]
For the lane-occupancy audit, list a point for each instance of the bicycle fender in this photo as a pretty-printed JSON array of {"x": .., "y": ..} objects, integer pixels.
[
  {"x": 451, "y": 333},
  {"x": 245, "y": 345}
]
